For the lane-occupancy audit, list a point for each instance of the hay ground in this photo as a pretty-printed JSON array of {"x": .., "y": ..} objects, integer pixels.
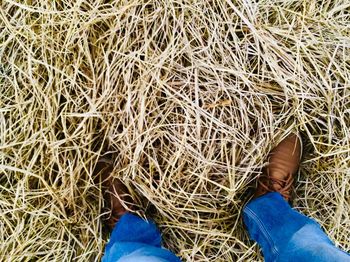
[{"x": 187, "y": 98}]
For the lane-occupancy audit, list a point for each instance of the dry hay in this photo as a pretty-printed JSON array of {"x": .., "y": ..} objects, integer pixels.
[{"x": 187, "y": 98}]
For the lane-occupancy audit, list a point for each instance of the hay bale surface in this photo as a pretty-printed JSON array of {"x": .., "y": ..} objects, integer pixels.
[{"x": 187, "y": 98}]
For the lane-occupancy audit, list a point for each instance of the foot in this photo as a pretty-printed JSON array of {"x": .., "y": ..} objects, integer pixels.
[
  {"x": 115, "y": 193},
  {"x": 283, "y": 163}
]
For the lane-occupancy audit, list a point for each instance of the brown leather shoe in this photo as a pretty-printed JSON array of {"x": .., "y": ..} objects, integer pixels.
[
  {"x": 283, "y": 163},
  {"x": 118, "y": 200},
  {"x": 116, "y": 196}
]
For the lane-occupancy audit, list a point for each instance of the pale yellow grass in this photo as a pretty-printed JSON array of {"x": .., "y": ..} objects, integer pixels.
[{"x": 187, "y": 98}]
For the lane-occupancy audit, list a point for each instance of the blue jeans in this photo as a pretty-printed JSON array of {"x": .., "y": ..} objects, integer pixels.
[
  {"x": 286, "y": 235},
  {"x": 283, "y": 233},
  {"x": 136, "y": 240}
]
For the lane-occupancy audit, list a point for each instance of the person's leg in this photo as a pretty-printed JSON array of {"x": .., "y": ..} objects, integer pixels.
[
  {"x": 134, "y": 239},
  {"x": 286, "y": 235},
  {"x": 283, "y": 233}
]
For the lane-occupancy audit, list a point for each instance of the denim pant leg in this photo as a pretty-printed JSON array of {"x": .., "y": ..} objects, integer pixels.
[
  {"x": 286, "y": 235},
  {"x": 133, "y": 240}
]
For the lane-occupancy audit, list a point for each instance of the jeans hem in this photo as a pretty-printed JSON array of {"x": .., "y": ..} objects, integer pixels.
[{"x": 250, "y": 213}]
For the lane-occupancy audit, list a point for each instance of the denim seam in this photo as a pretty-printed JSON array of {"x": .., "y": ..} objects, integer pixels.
[{"x": 263, "y": 229}]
